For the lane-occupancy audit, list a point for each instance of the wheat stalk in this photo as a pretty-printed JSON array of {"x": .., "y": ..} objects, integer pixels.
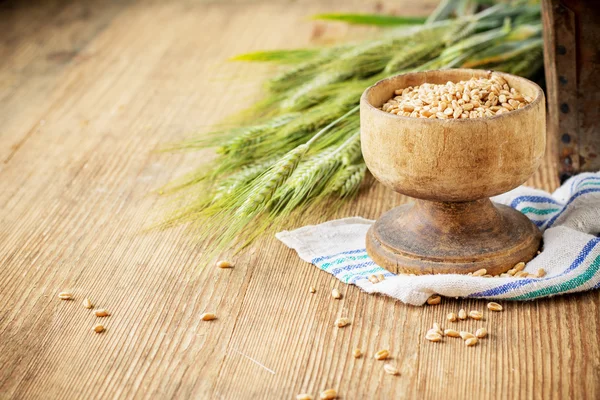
[{"x": 305, "y": 147}]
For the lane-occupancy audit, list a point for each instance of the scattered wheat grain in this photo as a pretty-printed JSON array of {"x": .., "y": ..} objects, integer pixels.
[
  {"x": 224, "y": 264},
  {"x": 65, "y": 296},
  {"x": 541, "y": 273},
  {"x": 382, "y": 355},
  {"x": 451, "y": 333},
  {"x": 101, "y": 313},
  {"x": 391, "y": 370},
  {"x": 493, "y": 306},
  {"x": 481, "y": 333},
  {"x": 433, "y": 336},
  {"x": 519, "y": 266},
  {"x": 477, "y": 315},
  {"x": 342, "y": 322},
  {"x": 208, "y": 317},
  {"x": 328, "y": 394}
]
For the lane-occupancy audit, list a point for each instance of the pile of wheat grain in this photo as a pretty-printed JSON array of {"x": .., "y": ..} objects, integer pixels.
[{"x": 475, "y": 98}]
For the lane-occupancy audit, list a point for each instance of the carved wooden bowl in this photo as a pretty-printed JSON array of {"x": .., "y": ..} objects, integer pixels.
[{"x": 451, "y": 167}]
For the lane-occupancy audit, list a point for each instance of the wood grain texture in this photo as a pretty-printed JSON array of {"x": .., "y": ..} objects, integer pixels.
[
  {"x": 571, "y": 46},
  {"x": 78, "y": 161}
]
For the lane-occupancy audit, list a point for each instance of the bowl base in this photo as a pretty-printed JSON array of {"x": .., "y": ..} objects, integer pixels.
[{"x": 452, "y": 238}]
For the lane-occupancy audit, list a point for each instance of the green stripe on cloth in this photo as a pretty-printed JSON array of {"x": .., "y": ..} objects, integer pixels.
[
  {"x": 538, "y": 211},
  {"x": 565, "y": 286},
  {"x": 590, "y": 184}
]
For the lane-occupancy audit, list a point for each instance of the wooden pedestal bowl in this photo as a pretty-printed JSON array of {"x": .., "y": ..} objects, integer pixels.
[{"x": 451, "y": 167}]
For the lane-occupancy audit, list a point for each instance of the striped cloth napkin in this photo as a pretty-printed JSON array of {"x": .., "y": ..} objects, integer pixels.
[{"x": 569, "y": 218}]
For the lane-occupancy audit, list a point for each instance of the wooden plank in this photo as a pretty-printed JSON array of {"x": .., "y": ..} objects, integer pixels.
[
  {"x": 75, "y": 202},
  {"x": 570, "y": 57}
]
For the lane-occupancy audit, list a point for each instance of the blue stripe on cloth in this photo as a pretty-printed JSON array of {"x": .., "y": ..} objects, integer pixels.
[
  {"x": 351, "y": 267},
  {"x": 577, "y": 182},
  {"x": 502, "y": 289},
  {"x": 322, "y": 258},
  {"x": 532, "y": 199},
  {"x": 343, "y": 260},
  {"x": 576, "y": 195}
]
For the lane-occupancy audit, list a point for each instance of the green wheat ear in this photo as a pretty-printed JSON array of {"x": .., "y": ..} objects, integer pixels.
[
  {"x": 299, "y": 148},
  {"x": 272, "y": 180}
]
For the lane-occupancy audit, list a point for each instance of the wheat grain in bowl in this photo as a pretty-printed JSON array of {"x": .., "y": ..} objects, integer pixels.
[{"x": 475, "y": 98}]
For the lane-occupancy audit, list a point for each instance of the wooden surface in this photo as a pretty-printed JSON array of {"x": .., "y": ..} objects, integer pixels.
[{"x": 89, "y": 92}]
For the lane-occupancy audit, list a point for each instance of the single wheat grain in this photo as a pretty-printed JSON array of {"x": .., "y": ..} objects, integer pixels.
[
  {"x": 451, "y": 333},
  {"x": 65, "y": 296},
  {"x": 433, "y": 336},
  {"x": 208, "y": 317},
  {"x": 477, "y": 315},
  {"x": 481, "y": 333},
  {"x": 434, "y": 299},
  {"x": 101, "y": 313},
  {"x": 328, "y": 394},
  {"x": 336, "y": 294},
  {"x": 493, "y": 306},
  {"x": 541, "y": 273},
  {"x": 391, "y": 370},
  {"x": 224, "y": 264},
  {"x": 342, "y": 322}
]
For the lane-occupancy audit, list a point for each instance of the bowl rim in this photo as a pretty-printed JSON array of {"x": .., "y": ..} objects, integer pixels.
[{"x": 538, "y": 98}]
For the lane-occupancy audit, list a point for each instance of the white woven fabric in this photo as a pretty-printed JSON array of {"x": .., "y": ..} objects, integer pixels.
[{"x": 569, "y": 218}]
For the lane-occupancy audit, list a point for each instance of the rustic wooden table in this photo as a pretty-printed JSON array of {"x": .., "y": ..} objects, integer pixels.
[{"x": 89, "y": 91}]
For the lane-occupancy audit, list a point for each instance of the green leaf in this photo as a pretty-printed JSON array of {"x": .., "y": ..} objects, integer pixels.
[
  {"x": 278, "y": 56},
  {"x": 371, "y": 19}
]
